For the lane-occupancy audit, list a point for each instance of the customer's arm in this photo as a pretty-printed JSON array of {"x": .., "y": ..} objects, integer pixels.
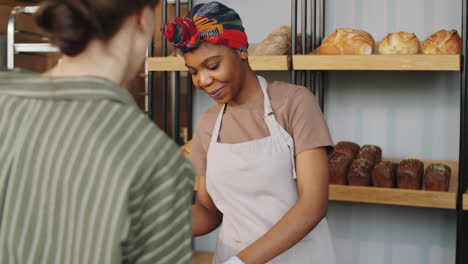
[{"x": 160, "y": 207}]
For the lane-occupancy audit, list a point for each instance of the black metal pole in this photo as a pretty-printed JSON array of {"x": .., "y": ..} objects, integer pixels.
[
  {"x": 150, "y": 85},
  {"x": 293, "y": 36},
  {"x": 164, "y": 74},
  {"x": 176, "y": 94},
  {"x": 303, "y": 36},
  {"x": 313, "y": 42},
  {"x": 462, "y": 220},
  {"x": 321, "y": 75},
  {"x": 189, "y": 95}
]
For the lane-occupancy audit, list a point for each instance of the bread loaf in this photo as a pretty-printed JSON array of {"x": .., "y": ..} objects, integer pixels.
[
  {"x": 338, "y": 170},
  {"x": 442, "y": 42},
  {"x": 437, "y": 177},
  {"x": 371, "y": 153},
  {"x": 186, "y": 148},
  {"x": 347, "y": 149},
  {"x": 384, "y": 174},
  {"x": 278, "y": 42},
  {"x": 359, "y": 172},
  {"x": 399, "y": 43},
  {"x": 409, "y": 174},
  {"x": 346, "y": 41}
]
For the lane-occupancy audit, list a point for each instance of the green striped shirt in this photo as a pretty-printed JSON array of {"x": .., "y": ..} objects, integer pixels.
[{"x": 86, "y": 178}]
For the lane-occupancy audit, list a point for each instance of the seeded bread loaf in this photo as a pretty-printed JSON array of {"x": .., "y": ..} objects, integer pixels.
[
  {"x": 437, "y": 177},
  {"x": 410, "y": 173}
]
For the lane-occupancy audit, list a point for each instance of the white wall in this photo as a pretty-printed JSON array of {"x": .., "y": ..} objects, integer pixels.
[{"x": 406, "y": 113}]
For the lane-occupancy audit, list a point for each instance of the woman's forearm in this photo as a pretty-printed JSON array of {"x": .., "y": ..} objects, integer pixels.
[
  {"x": 291, "y": 229},
  {"x": 204, "y": 220}
]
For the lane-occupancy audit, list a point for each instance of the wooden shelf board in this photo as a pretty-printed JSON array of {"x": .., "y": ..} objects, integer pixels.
[
  {"x": 391, "y": 196},
  {"x": 258, "y": 63},
  {"x": 465, "y": 201},
  {"x": 419, "y": 62}
]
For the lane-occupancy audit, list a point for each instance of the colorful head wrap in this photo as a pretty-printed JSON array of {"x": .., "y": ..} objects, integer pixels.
[{"x": 212, "y": 22}]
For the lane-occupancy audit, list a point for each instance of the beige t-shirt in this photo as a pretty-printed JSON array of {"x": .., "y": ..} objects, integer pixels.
[{"x": 296, "y": 109}]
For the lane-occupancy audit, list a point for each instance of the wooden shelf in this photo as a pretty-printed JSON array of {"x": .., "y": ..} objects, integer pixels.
[
  {"x": 378, "y": 62},
  {"x": 394, "y": 196},
  {"x": 258, "y": 63},
  {"x": 465, "y": 202},
  {"x": 375, "y": 195}
]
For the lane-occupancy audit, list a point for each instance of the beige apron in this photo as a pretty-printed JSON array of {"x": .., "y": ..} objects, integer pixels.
[{"x": 253, "y": 184}]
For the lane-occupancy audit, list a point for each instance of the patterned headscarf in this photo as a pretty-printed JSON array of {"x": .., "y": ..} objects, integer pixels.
[{"x": 212, "y": 22}]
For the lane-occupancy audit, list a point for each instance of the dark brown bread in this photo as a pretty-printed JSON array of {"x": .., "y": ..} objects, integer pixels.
[
  {"x": 338, "y": 169},
  {"x": 384, "y": 174},
  {"x": 359, "y": 172},
  {"x": 347, "y": 148},
  {"x": 437, "y": 177},
  {"x": 409, "y": 174},
  {"x": 371, "y": 153}
]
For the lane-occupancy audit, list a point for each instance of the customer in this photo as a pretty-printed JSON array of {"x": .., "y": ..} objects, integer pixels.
[{"x": 85, "y": 177}]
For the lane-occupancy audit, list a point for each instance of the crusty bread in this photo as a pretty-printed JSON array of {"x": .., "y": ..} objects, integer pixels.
[
  {"x": 442, "y": 42},
  {"x": 278, "y": 42},
  {"x": 186, "y": 148},
  {"x": 399, "y": 43},
  {"x": 346, "y": 41}
]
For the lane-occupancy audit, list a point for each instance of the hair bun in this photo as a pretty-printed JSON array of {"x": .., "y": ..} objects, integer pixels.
[
  {"x": 181, "y": 32},
  {"x": 70, "y": 29}
]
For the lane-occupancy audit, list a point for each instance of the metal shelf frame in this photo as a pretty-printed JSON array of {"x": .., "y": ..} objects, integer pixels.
[
  {"x": 317, "y": 11},
  {"x": 15, "y": 48}
]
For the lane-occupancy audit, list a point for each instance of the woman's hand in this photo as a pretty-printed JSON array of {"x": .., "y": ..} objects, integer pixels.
[
  {"x": 311, "y": 208},
  {"x": 205, "y": 216}
]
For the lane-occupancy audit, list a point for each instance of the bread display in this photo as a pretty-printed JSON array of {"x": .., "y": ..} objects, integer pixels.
[
  {"x": 278, "y": 42},
  {"x": 346, "y": 41},
  {"x": 410, "y": 173},
  {"x": 347, "y": 149},
  {"x": 384, "y": 174},
  {"x": 437, "y": 177},
  {"x": 359, "y": 172},
  {"x": 442, "y": 42},
  {"x": 338, "y": 170},
  {"x": 371, "y": 153},
  {"x": 399, "y": 43}
]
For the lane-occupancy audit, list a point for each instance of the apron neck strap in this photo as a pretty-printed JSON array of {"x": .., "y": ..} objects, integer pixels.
[
  {"x": 266, "y": 99},
  {"x": 268, "y": 115}
]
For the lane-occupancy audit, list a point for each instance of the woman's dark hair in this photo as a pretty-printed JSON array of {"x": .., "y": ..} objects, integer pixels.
[{"x": 73, "y": 23}]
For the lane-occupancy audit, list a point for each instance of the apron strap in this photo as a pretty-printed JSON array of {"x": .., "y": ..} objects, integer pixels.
[
  {"x": 217, "y": 127},
  {"x": 275, "y": 128}
]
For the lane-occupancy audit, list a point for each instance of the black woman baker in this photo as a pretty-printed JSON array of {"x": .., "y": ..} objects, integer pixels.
[{"x": 263, "y": 148}]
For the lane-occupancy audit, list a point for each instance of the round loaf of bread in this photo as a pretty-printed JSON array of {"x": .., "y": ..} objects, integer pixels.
[
  {"x": 399, "y": 43},
  {"x": 278, "y": 42},
  {"x": 442, "y": 42},
  {"x": 346, "y": 41}
]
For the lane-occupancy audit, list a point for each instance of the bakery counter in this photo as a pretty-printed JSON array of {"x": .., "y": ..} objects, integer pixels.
[
  {"x": 202, "y": 257},
  {"x": 258, "y": 63},
  {"x": 377, "y": 62}
]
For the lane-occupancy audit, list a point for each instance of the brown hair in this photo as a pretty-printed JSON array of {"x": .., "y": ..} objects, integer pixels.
[{"x": 73, "y": 23}]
